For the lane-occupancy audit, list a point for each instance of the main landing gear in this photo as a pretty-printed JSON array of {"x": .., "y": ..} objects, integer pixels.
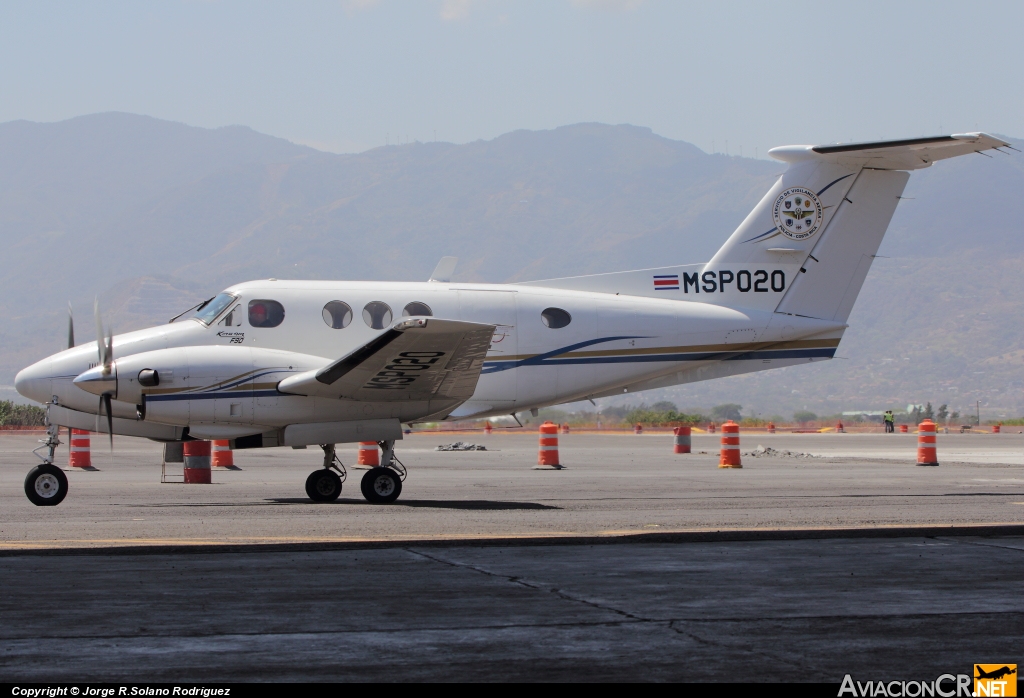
[
  {"x": 46, "y": 485},
  {"x": 380, "y": 485}
]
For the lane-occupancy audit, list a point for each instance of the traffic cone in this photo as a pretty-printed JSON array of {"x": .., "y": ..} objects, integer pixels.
[
  {"x": 369, "y": 454},
  {"x": 223, "y": 456},
  {"x": 730, "y": 453},
  {"x": 926, "y": 450},
  {"x": 79, "y": 455},
  {"x": 547, "y": 454}
]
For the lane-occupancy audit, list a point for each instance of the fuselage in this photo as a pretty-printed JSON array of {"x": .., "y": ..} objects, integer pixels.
[{"x": 550, "y": 346}]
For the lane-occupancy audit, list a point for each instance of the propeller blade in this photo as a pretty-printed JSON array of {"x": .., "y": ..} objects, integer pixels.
[
  {"x": 110, "y": 420},
  {"x": 99, "y": 332},
  {"x": 71, "y": 327},
  {"x": 108, "y": 351}
]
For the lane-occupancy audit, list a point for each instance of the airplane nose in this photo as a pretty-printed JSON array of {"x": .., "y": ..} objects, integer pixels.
[{"x": 34, "y": 382}]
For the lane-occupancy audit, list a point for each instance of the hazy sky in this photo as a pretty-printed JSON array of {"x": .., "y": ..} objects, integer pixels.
[{"x": 344, "y": 76}]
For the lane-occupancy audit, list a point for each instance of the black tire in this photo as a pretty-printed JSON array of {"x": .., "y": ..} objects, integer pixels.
[
  {"x": 381, "y": 485},
  {"x": 323, "y": 485},
  {"x": 46, "y": 485}
]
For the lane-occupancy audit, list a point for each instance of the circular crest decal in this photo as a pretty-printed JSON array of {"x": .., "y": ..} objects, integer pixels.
[{"x": 797, "y": 213}]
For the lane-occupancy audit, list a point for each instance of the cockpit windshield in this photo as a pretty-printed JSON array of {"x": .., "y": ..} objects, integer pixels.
[{"x": 209, "y": 311}]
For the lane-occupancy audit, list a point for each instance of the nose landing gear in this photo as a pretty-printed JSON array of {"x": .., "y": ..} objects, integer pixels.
[{"x": 46, "y": 485}]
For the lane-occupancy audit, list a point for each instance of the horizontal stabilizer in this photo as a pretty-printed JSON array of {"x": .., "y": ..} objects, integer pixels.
[
  {"x": 417, "y": 359},
  {"x": 910, "y": 154}
]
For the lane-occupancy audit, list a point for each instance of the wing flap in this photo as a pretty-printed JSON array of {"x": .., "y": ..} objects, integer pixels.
[{"x": 417, "y": 359}]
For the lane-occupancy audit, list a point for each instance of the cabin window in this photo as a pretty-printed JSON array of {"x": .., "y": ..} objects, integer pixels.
[
  {"x": 377, "y": 315},
  {"x": 555, "y": 318},
  {"x": 416, "y": 309},
  {"x": 209, "y": 310},
  {"x": 265, "y": 313},
  {"x": 337, "y": 314}
]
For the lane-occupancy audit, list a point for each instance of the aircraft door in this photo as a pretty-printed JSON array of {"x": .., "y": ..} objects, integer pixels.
[{"x": 497, "y": 386}]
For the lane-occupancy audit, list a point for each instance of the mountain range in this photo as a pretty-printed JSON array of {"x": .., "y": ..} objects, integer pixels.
[{"x": 153, "y": 216}]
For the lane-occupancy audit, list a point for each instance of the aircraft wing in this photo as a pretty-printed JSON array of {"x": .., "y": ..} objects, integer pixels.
[{"x": 417, "y": 359}]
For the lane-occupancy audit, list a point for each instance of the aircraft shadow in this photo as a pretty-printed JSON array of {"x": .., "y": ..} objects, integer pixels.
[{"x": 470, "y": 504}]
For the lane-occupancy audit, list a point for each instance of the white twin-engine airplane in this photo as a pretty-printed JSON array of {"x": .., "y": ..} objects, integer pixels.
[{"x": 293, "y": 363}]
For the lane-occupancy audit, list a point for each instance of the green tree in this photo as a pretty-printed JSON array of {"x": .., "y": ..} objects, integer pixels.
[
  {"x": 729, "y": 410},
  {"x": 803, "y": 416},
  {"x": 928, "y": 412},
  {"x": 943, "y": 413},
  {"x": 664, "y": 406}
]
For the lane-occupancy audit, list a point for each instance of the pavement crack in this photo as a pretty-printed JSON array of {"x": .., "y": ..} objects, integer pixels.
[
  {"x": 512, "y": 579},
  {"x": 979, "y": 543},
  {"x": 802, "y": 667}
]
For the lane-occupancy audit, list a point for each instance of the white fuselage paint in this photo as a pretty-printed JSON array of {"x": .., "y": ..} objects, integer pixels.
[{"x": 614, "y": 344}]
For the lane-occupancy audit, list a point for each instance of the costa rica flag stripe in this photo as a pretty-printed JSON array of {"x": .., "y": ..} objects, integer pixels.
[{"x": 668, "y": 282}]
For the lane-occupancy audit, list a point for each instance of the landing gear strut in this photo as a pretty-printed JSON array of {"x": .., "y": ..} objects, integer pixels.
[
  {"x": 46, "y": 485},
  {"x": 324, "y": 485},
  {"x": 383, "y": 484}
]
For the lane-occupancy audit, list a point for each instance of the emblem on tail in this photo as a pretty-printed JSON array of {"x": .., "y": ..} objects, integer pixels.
[{"x": 797, "y": 213}]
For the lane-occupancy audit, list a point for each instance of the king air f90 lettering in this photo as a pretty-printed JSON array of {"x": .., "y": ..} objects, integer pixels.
[{"x": 293, "y": 363}]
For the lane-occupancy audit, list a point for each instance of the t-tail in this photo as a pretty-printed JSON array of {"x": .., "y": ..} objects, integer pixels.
[{"x": 807, "y": 246}]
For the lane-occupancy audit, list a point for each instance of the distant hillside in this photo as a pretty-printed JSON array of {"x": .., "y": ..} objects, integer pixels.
[{"x": 151, "y": 215}]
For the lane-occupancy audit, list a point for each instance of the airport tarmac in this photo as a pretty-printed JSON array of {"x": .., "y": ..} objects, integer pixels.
[
  {"x": 612, "y": 485},
  {"x": 633, "y": 563}
]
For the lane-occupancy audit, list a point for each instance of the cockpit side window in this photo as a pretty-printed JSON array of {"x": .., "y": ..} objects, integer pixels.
[
  {"x": 265, "y": 313},
  {"x": 233, "y": 318},
  {"x": 209, "y": 312}
]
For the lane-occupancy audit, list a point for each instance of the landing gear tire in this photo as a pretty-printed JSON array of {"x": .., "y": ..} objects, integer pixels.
[
  {"x": 381, "y": 485},
  {"x": 46, "y": 485},
  {"x": 323, "y": 485}
]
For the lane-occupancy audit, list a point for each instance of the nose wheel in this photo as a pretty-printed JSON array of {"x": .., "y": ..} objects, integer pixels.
[{"x": 46, "y": 485}]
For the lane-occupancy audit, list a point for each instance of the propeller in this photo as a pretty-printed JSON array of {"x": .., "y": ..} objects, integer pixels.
[
  {"x": 71, "y": 327},
  {"x": 71, "y": 343},
  {"x": 105, "y": 348}
]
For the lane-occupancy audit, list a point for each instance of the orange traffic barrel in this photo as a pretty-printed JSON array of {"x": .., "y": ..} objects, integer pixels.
[
  {"x": 638, "y": 429},
  {"x": 771, "y": 427},
  {"x": 681, "y": 440},
  {"x": 711, "y": 428},
  {"x": 996, "y": 428},
  {"x": 547, "y": 453},
  {"x": 839, "y": 428},
  {"x": 369, "y": 453},
  {"x": 926, "y": 454},
  {"x": 488, "y": 428},
  {"x": 80, "y": 455},
  {"x": 565, "y": 428},
  {"x": 904, "y": 428},
  {"x": 197, "y": 462},
  {"x": 223, "y": 456},
  {"x": 730, "y": 455}
]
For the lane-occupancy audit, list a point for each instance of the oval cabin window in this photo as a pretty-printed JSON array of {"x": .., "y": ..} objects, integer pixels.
[
  {"x": 555, "y": 318},
  {"x": 337, "y": 315},
  {"x": 265, "y": 313},
  {"x": 377, "y": 315},
  {"x": 416, "y": 309}
]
